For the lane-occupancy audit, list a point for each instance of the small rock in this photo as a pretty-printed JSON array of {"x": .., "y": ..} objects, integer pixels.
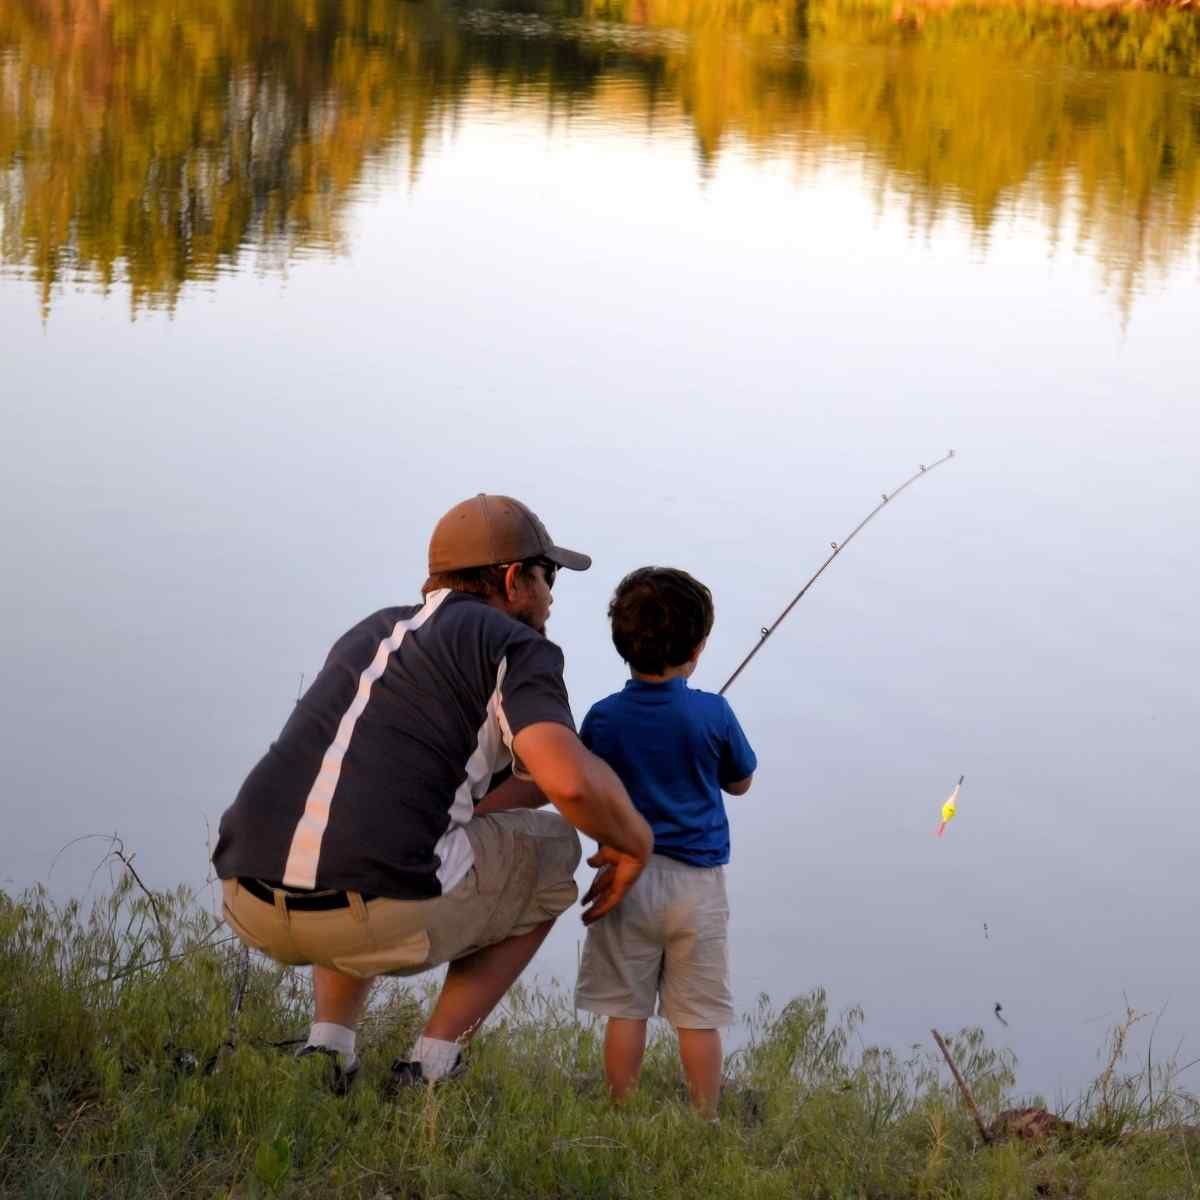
[{"x": 1028, "y": 1125}]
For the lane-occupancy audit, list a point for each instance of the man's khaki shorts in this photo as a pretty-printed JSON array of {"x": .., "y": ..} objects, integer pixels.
[
  {"x": 523, "y": 875},
  {"x": 665, "y": 940}
]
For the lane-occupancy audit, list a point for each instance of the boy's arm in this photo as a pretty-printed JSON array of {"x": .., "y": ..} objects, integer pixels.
[{"x": 738, "y": 760}]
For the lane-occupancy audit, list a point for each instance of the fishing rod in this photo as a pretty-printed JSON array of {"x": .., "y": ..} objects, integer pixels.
[{"x": 838, "y": 547}]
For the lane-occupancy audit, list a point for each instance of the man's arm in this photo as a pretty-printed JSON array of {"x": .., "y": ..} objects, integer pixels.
[
  {"x": 512, "y": 793},
  {"x": 738, "y": 788},
  {"x": 587, "y": 792}
]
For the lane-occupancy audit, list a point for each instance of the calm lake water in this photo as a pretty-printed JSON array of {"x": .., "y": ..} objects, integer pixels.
[{"x": 280, "y": 282}]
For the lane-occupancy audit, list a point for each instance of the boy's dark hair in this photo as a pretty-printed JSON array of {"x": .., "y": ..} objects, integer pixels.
[{"x": 659, "y": 616}]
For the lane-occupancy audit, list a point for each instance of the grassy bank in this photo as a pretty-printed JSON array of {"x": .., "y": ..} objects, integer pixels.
[{"x": 137, "y": 1059}]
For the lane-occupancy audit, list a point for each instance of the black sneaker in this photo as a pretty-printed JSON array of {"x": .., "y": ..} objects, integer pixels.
[
  {"x": 411, "y": 1074},
  {"x": 341, "y": 1079}
]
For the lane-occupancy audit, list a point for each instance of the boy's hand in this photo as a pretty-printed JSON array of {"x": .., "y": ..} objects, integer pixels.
[{"x": 616, "y": 875}]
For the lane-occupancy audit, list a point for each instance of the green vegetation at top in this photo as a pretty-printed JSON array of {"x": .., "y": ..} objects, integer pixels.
[
  {"x": 137, "y": 1059},
  {"x": 1164, "y": 38},
  {"x": 160, "y": 143}
]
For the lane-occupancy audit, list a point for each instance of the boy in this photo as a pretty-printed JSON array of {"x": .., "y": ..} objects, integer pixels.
[{"x": 675, "y": 750}]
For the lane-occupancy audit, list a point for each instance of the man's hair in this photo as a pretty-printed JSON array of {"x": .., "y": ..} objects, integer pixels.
[
  {"x": 475, "y": 581},
  {"x": 659, "y": 616}
]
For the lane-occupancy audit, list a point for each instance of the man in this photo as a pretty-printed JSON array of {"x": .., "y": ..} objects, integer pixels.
[{"x": 369, "y": 839}]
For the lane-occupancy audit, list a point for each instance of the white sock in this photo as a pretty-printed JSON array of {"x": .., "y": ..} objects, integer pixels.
[
  {"x": 435, "y": 1056},
  {"x": 334, "y": 1037}
]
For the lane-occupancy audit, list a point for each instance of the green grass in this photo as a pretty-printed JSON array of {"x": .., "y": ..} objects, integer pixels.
[{"x": 116, "y": 1079}]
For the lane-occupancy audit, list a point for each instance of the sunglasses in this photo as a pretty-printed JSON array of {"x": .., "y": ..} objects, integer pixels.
[{"x": 549, "y": 569}]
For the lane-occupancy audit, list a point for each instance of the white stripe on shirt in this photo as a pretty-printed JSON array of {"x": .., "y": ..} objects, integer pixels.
[
  {"x": 305, "y": 851},
  {"x": 453, "y": 847}
]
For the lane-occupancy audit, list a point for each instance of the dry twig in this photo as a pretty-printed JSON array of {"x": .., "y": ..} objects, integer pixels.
[{"x": 962, "y": 1086}]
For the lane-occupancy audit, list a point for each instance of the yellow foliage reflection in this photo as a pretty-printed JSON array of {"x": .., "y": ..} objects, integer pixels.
[
  {"x": 164, "y": 139},
  {"x": 161, "y": 141}
]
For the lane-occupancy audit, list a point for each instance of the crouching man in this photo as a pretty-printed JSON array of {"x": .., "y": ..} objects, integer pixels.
[{"x": 370, "y": 840}]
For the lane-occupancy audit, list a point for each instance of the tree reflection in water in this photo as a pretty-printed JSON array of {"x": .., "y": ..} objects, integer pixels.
[{"x": 158, "y": 143}]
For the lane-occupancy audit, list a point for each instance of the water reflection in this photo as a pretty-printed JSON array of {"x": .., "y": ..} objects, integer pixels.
[{"x": 160, "y": 144}]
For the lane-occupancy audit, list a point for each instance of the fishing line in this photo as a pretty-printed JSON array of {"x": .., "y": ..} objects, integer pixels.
[{"x": 838, "y": 547}]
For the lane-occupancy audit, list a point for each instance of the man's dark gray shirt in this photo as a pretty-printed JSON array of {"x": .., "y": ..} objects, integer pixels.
[{"x": 381, "y": 763}]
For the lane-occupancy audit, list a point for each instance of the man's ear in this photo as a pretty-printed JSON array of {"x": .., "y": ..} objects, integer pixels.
[
  {"x": 699, "y": 650},
  {"x": 510, "y": 580}
]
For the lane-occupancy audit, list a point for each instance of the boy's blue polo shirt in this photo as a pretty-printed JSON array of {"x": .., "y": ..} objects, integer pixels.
[{"x": 673, "y": 747}]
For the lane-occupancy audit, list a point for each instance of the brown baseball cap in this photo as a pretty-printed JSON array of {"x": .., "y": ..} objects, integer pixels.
[{"x": 487, "y": 530}]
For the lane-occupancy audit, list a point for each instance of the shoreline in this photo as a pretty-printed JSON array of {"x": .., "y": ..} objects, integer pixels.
[{"x": 143, "y": 1053}]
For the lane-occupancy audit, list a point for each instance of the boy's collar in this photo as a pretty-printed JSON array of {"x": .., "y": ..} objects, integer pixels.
[{"x": 675, "y": 684}]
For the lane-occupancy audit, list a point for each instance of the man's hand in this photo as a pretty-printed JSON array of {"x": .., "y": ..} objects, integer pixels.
[{"x": 616, "y": 875}]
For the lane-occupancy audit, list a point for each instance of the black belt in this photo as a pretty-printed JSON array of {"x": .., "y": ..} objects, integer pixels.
[{"x": 308, "y": 901}]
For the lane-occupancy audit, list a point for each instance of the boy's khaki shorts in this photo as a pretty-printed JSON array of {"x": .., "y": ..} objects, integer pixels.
[
  {"x": 523, "y": 875},
  {"x": 665, "y": 940}
]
